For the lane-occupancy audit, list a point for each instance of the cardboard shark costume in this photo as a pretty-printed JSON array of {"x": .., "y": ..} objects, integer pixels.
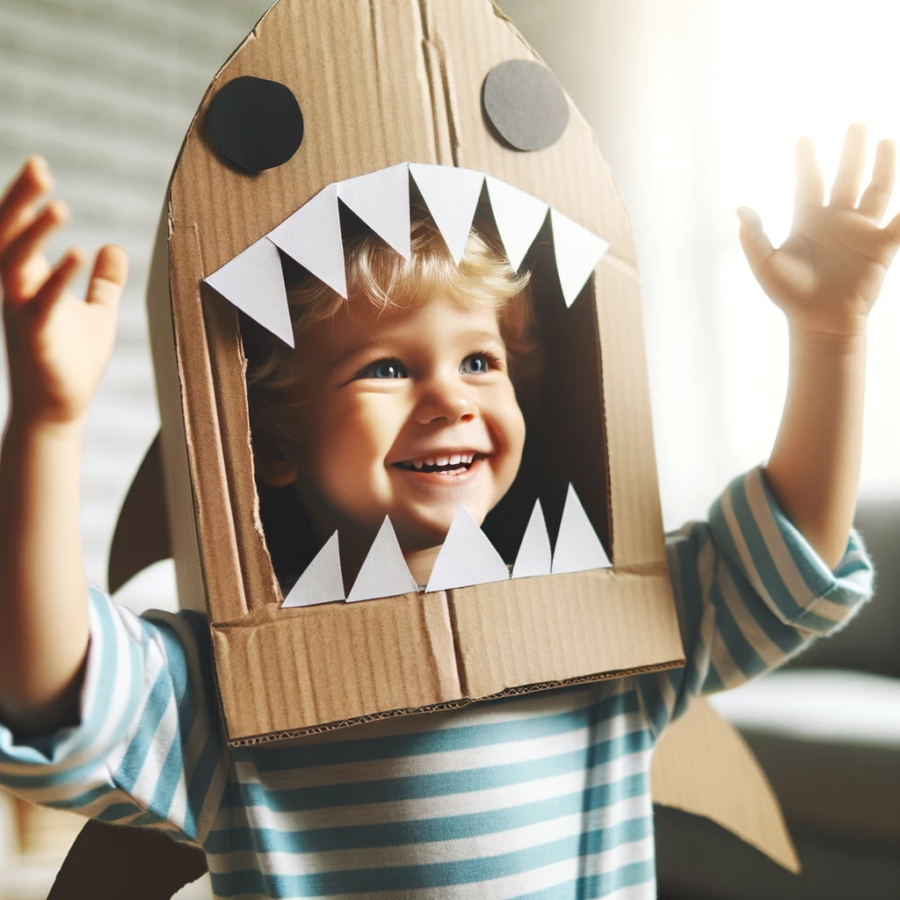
[{"x": 331, "y": 106}]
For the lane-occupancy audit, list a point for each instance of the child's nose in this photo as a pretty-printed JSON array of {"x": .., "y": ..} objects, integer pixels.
[{"x": 444, "y": 401}]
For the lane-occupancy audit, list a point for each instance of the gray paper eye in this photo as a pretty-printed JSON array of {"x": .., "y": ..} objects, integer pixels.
[{"x": 525, "y": 104}]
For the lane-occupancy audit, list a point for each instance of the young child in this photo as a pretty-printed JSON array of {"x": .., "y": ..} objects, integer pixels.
[
  {"x": 400, "y": 401},
  {"x": 543, "y": 796}
]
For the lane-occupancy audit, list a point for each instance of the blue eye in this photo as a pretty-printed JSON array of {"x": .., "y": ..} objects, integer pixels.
[
  {"x": 384, "y": 368},
  {"x": 476, "y": 364}
]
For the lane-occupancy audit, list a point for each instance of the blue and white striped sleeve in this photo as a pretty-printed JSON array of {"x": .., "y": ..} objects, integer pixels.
[
  {"x": 148, "y": 749},
  {"x": 751, "y": 593}
]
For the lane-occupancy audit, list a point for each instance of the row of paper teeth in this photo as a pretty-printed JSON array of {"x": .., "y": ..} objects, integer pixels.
[
  {"x": 254, "y": 283},
  {"x": 467, "y": 557}
]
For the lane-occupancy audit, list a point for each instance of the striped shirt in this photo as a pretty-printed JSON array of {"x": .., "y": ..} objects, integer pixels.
[{"x": 545, "y": 797}]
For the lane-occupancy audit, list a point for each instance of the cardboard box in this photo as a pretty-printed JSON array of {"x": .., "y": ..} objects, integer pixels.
[
  {"x": 380, "y": 85},
  {"x": 383, "y": 85}
]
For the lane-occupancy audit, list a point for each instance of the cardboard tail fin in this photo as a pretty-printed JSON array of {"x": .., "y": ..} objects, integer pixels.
[
  {"x": 703, "y": 766},
  {"x": 141, "y": 537}
]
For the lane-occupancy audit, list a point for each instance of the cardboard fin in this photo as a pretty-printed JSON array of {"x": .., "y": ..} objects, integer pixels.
[
  {"x": 451, "y": 195},
  {"x": 312, "y": 237},
  {"x": 384, "y": 572},
  {"x": 142, "y": 534},
  {"x": 108, "y": 862},
  {"x": 467, "y": 557},
  {"x": 703, "y": 766},
  {"x": 534, "y": 556},
  {"x": 254, "y": 283},
  {"x": 577, "y": 546},
  {"x": 322, "y": 582},
  {"x": 381, "y": 200},
  {"x": 577, "y": 252},
  {"x": 518, "y": 216}
]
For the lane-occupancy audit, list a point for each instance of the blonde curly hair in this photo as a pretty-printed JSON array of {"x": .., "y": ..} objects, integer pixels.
[{"x": 379, "y": 275}]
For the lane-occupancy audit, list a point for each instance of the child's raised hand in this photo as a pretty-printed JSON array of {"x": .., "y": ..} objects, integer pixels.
[
  {"x": 58, "y": 345},
  {"x": 827, "y": 275}
]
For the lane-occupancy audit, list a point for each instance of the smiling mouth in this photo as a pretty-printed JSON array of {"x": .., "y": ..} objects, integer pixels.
[{"x": 442, "y": 463}]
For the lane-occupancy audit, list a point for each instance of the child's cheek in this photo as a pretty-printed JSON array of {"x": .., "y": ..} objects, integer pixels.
[{"x": 356, "y": 440}]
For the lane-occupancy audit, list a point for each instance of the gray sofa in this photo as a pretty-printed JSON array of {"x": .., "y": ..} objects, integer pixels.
[{"x": 826, "y": 729}]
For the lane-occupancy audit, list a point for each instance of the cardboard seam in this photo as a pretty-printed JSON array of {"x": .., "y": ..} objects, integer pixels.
[
  {"x": 256, "y": 740},
  {"x": 439, "y": 80},
  {"x": 457, "y": 646}
]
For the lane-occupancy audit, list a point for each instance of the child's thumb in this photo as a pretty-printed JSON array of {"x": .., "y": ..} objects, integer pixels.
[{"x": 754, "y": 241}]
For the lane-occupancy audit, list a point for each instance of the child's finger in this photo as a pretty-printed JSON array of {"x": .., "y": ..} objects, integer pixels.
[
  {"x": 108, "y": 277},
  {"x": 810, "y": 190},
  {"x": 754, "y": 241},
  {"x": 17, "y": 206},
  {"x": 849, "y": 176},
  {"x": 29, "y": 242},
  {"x": 58, "y": 280},
  {"x": 878, "y": 194}
]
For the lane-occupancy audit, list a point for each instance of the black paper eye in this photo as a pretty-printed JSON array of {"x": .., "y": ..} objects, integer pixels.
[
  {"x": 525, "y": 103},
  {"x": 254, "y": 123}
]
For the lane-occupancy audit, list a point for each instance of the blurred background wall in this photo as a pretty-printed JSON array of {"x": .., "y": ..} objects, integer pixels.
[{"x": 696, "y": 105}]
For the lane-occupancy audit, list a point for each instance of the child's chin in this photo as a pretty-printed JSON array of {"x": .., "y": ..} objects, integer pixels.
[{"x": 431, "y": 529}]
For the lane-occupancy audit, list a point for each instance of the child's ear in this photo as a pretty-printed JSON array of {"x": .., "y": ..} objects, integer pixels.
[{"x": 274, "y": 465}]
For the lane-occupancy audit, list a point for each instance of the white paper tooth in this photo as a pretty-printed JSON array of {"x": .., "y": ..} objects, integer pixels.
[
  {"x": 451, "y": 195},
  {"x": 577, "y": 252},
  {"x": 254, "y": 283},
  {"x": 534, "y": 556},
  {"x": 519, "y": 218},
  {"x": 384, "y": 572},
  {"x": 466, "y": 558},
  {"x": 312, "y": 236},
  {"x": 381, "y": 200},
  {"x": 577, "y": 546},
  {"x": 322, "y": 581}
]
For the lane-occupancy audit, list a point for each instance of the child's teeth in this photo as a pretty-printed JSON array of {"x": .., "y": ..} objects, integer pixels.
[
  {"x": 429, "y": 462},
  {"x": 417, "y": 463},
  {"x": 454, "y": 460},
  {"x": 442, "y": 460}
]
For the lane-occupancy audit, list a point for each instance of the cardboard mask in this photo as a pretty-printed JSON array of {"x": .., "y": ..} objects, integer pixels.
[{"x": 329, "y": 105}]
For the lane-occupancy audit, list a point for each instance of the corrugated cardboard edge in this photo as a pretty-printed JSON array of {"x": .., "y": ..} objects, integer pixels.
[
  {"x": 454, "y": 704},
  {"x": 703, "y": 766}
]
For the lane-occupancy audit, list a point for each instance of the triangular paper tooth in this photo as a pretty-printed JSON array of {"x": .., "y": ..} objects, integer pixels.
[
  {"x": 534, "y": 556},
  {"x": 577, "y": 252},
  {"x": 451, "y": 195},
  {"x": 322, "y": 582},
  {"x": 381, "y": 200},
  {"x": 384, "y": 572},
  {"x": 254, "y": 282},
  {"x": 312, "y": 237},
  {"x": 519, "y": 218},
  {"x": 467, "y": 557},
  {"x": 577, "y": 546}
]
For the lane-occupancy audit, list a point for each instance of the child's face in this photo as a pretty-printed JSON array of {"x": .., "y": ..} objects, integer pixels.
[{"x": 407, "y": 414}]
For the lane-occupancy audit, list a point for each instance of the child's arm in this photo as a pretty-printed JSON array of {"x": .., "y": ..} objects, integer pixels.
[
  {"x": 825, "y": 277},
  {"x": 58, "y": 348}
]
